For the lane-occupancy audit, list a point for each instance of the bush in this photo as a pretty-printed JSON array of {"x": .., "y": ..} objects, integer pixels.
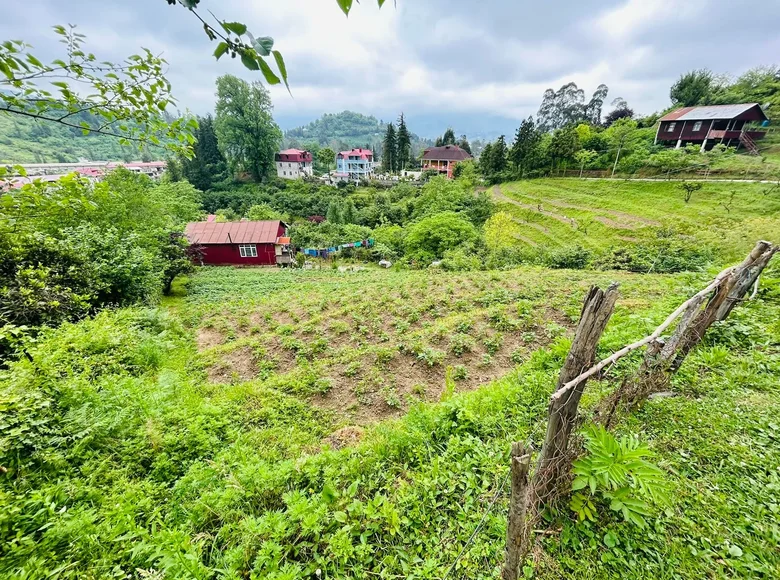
[
  {"x": 573, "y": 257},
  {"x": 429, "y": 238},
  {"x": 664, "y": 256}
]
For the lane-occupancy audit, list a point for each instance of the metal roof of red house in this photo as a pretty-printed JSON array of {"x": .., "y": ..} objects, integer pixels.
[
  {"x": 363, "y": 153},
  {"x": 705, "y": 113},
  {"x": 293, "y": 151},
  {"x": 263, "y": 232},
  {"x": 446, "y": 153}
]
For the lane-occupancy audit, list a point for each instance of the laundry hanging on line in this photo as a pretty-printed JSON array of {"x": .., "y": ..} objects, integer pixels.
[{"x": 324, "y": 252}]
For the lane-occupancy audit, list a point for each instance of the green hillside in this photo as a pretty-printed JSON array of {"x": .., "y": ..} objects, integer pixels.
[
  {"x": 603, "y": 215},
  {"x": 345, "y": 130},
  {"x": 28, "y": 141}
]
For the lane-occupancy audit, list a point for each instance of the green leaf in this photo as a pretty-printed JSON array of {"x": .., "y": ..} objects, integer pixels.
[
  {"x": 282, "y": 68},
  {"x": 221, "y": 49},
  {"x": 735, "y": 551},
  {"x": 234, "y": 27},
  {"x": 249, "y": 62},
  {"x": 263, "y": 45},
  {"x": 610, "y": 540},
  {"x": 579, "y": 483},
  {"x": 5, "y": 70},
  {"x": 340, "y": 517},
  {"x": 34, "y": 61},
  {"x": 269, "y": 75},
  {"x": 345, "y": 5}
]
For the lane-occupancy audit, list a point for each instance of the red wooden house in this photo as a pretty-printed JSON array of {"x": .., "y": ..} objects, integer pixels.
[
  {"x": 240, "y": 243},
  {"x": 712, "y": 124}
]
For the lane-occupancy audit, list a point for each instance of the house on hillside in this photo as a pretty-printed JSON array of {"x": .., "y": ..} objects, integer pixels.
[
  {"x": 243, "y": 243},
  {"x": 294, "y": 163},
  {"x": 355, "y": 164},
  {"x": 709, "y": 125},
  {"x": 443, "y": 159}
]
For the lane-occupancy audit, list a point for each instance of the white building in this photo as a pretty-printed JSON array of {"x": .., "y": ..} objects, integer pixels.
[{"x": 294, "y": 163}]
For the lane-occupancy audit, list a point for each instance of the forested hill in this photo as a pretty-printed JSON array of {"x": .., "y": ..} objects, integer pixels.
[
  {"x": 342, "y": 130},
  {"x": 27, "y": 141}
]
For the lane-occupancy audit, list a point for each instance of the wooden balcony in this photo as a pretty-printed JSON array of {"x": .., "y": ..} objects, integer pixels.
[{"x": 734, "y": 134}]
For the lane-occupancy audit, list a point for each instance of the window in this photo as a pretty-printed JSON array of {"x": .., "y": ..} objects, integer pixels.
[
  {"x": 670, "y": 127},
  {"x": 247, "y": 250},
  {"x": 697, "y": 126},
  {"x": 284, "y": 173},
  {"x": 289, "y": 165}
]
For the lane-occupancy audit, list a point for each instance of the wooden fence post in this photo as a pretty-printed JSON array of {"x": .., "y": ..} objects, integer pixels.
[
  {"x": 596, "y": 312},
  {"x": 516, "y": 530}
]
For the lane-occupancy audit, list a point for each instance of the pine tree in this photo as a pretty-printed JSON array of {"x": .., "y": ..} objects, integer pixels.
[
  {"x": 403, "y": 144},
  {"x": 524, "y": 151},
  {"x": 463, "y": 143},
  {"x": 499, "y": 157},
  {"x": 208, "y": 163},
  {"x": 388, "y": 150}
]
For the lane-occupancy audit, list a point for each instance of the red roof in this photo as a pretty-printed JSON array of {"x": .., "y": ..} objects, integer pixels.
[
  {"x": 296, "y": 155},
  {"x": 445, "y": 153},
  {"x": 362, "y": 153},
  {"x": 264, "y": 232}
]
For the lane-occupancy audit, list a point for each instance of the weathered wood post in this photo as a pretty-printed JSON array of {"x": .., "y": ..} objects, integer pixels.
[
  {"x": 553, "y": 463},
  {"x": 564, "y": 403},
  {"x": 664, "y": 357},
  {"x": 516, "y": 533}
]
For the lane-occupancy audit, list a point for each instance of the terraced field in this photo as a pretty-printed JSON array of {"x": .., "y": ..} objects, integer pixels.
[{"x": 600, "y": 215}]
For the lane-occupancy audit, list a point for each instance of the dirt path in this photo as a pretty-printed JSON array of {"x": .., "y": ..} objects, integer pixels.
[
  {"x": 528, "y": 241},
  {"x": 556, "y": 216}
]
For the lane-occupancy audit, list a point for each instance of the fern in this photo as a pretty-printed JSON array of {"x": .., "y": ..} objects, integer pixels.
[{"x": 616, "y": 471}]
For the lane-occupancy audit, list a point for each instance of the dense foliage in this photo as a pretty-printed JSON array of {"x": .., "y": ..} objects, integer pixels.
[
  {"x": 70, "y": 247},
  {"x": 122, "y": 459}
]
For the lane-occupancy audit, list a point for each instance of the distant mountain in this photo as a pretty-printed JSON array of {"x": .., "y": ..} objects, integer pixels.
[{"x": 345, "y": 130}]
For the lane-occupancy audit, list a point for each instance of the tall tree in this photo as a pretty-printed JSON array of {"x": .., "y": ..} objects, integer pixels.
[
  {"x": 564, "y": 145},
  {"x": 208, "y": 163},
  {"x": 246, "y": 132},
  {"x": 463, "y": 143},
  {"x": 403, "y": 144},
  {"x": 525, "y": 148},
  {"x": 695, "y": 87},
  {"x": 595, "y": 105},
  {"x": 389, "y": 149},
  {"x": 447, "y": 139},
  {"x": 561, "y": 108}
]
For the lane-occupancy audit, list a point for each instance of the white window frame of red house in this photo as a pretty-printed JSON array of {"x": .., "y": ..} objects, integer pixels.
[
  {"x": 247, "y": 250},
  {"x": 697, "y": 126},
  {"x": 671, "y": 127}
]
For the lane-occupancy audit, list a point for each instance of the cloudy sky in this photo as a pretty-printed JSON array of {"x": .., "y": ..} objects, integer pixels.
[{"x": 476, "y": 65}]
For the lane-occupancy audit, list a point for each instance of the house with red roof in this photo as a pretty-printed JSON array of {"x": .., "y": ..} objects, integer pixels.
[
  {"x": 244, "y": 243},
  {"x": 355, "y": 164},
  {"x": 294, "y": 163},
  {"x": 739, "y": 125},
  {"x": 444, "y": 159}
]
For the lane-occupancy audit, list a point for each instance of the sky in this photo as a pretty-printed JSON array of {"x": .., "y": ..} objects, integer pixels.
[{"x": 479, "y": 66}]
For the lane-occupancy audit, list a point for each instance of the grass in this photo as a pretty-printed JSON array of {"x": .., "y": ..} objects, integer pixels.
[
  {"x": 603, "y": 215},
  {"x": 269, "y": 424}
]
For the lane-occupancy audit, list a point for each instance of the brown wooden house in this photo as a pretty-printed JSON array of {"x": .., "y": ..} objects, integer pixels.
[{"x": 739, "y": 125}]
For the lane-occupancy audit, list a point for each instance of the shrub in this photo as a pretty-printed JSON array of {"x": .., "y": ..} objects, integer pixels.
[
  {"x": 432, "y": 236},
  {"x": 573, "y": 257}
]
